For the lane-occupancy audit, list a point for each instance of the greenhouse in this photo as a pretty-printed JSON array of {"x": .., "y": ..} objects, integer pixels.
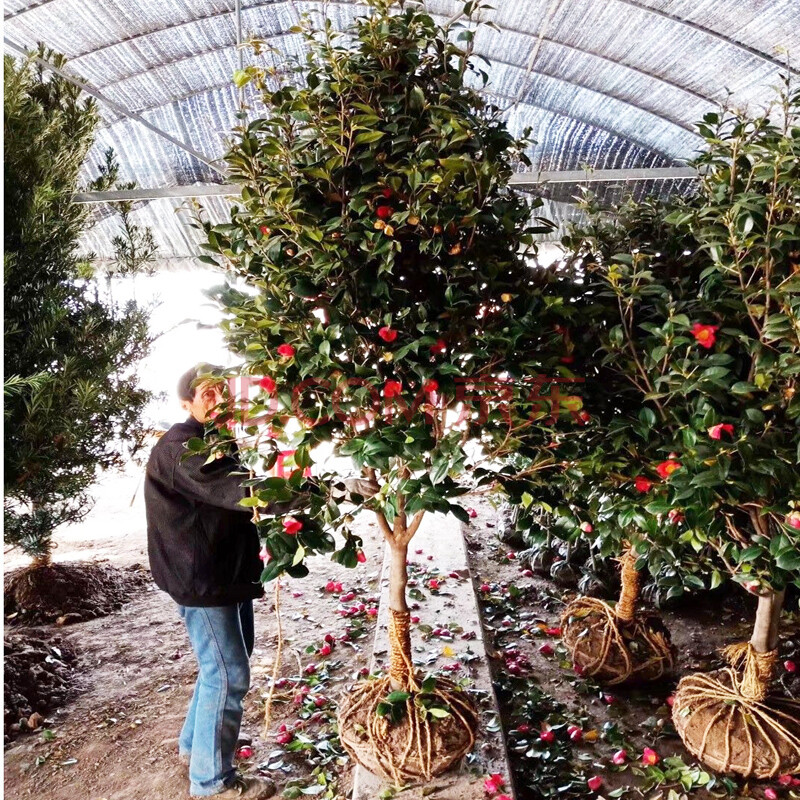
[{"x": 401, "y": 399}]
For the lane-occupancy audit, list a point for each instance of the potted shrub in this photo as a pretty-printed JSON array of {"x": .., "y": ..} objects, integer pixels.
[{"x": 389, "y": 308}]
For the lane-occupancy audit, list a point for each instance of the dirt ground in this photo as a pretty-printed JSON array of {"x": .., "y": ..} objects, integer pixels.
[{"x": 116, "y": 739}]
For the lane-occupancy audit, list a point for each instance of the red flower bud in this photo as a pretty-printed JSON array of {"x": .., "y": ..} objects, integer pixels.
[
  {"x": 387, "y": 334},
  {"x": 361, "y": 557},
  {"x": 384, "y": 212},
  {"x": 292, "y": 526},
  {"x": 267, "y": 384},
  {"x": 595, "y": 783},
  {"x": 286, "y": 350}
]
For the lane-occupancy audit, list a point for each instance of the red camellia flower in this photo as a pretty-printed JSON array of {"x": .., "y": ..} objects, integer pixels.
[
  {"x": 286, "y": 350},
  {"x": 587, "y": 527},
  {"x": 675, "y": 516},
  {"x": 770, "y": 793},
  {"x": 793, "y": 520},
  {"x": 650, "y": 757},
  {"x": 716, "y": 431},
  {"x": 265, "y": 231},
  {"x": 292, "y": 526},
  {"x": 547, "y": 735},
  {"x": 790, "y": 666},
  {"x": 642, "y": 484},
  {"x": 392, "y": 388},
  {"x": 575, "y": 733},
  {"x": 594, "y": 783},
  {"x": 546, "y": 650},
  {"x": 387, "y": 334},
  {"x": 555, "y": 631},
  {"x": 433, "y": 584},
  {"x": 439, "y": 347},
  {"x": 705, "y": 335},
  {"x": 485, "y": 587},
  {"x": 361, "y": 557},
  {"x": 666, "y": 468},
  {"x": 620, "y": 757},
  {"x": 472, "y": 513},
  {"x": 431, "y": 386},
  {"x": 384, "y": 212},
  {"x": 387, "y": 192},
  {"x": 245, "y": 752},
  {"x": 267, "y": 384}
]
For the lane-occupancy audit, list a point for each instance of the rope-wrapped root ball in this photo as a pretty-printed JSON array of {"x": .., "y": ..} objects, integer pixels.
[
  {"x": 728, "y": 720},
  {"x": 402, "y": 729},
  {"x": 618, "y": 645}
]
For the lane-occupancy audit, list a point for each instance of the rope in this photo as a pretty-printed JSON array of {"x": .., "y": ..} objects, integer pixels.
[
  {"x": 755, "y": 669},
  {"x": 629, "y": 594},
  {"x": 277, "y": 665},
  {"x": 401, "y": 668},
  {"x": 764, "y": 733}
]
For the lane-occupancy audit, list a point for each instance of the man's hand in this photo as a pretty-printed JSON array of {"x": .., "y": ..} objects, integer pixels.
[{"x": 342, "y": 490}]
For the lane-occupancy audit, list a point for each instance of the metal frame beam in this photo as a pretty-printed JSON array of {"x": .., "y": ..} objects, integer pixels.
[
  {"x": 518, "y": 179},
  {"x": 120, "y": 109}
]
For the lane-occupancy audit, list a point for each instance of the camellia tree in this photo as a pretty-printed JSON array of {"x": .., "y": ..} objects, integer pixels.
[
  {"x": 736, "y": 478},
  {"x": 625, "y": 288},
  {"x": 389, "y": 308},
  {"x": 72, "y": 396}
]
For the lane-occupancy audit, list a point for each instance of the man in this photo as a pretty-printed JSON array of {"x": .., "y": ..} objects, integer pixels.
[{"x": 204, "y": 552}]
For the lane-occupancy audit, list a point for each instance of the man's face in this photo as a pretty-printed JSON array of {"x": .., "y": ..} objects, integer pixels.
[{"x": 207, "y": 396}]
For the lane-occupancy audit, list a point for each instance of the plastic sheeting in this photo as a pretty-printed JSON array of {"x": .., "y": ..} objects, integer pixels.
[{"x": 609, "y": 84}]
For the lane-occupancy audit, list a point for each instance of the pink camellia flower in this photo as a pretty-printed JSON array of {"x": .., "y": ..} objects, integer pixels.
[
  {"x": 431, "y": 386},
  {"x": 666, "y": 468},
  {"x": 609, "y": 699},
  {"x": 793, "y": 520},
  {"x": 511, "y": 555},
  {"x": 675, "y": 516},
  {"x": 503, "y": 797},
  {"x": 387, "y": 334},
  {"x": 494, "y": 783},
  {"x": 770, "y": 793},
  {"x": 244, "y": 752},
  {"x": 361, "y": 557},
  {"x": 485, "y": 587},
  {"x": 546, "y": 650},
  {"x": 472, "y": 513},
  {"x": 575, "y": 733},
  {"x": 595, "y": 783},
  {"x": 372, "y": 611},
  {"x": 325, "y": 650},
  {"x": 439, "y": 347},
  {"x": 642, "y": 484},
  {"x": 716, "y": 431},
  {"x": 650, "y": 757},
  {"x": 338, "y": 587},
  {"x": 267, "y": 384},
  {"x": 547, "y": 735},
  {"x": 670, "y": 701},
  {"x": 330, "y": 586},
  {"x": 415, "y": 620},
  {"x": 587, "y": 527},
  {"x": 265, "y": 555},
  {"x": 790, "y": 666},
  {"x": 527, "y": 573},
  {"x": 705, "y": 335},
  {"x": 286, "y": 350},
  {"x": 620, "y": 757},
  {"x": 292, "y": 526}
]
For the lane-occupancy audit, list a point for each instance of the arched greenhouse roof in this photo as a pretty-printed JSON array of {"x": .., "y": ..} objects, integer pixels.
[{"x": 604, "y": 84}]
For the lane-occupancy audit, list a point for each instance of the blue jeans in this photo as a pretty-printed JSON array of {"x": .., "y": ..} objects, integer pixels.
[{"x": 222, "y": 638}]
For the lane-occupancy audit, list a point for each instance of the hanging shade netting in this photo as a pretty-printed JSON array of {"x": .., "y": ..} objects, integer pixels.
[{"x": 603, "y": 84}]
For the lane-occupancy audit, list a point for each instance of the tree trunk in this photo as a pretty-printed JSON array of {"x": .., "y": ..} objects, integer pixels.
[
  {"x": 629, "y": 593},
  {"x": 400, "y": 663},
  {"x": 768, "y": 615},
  {"x": 42, "y": 560}
]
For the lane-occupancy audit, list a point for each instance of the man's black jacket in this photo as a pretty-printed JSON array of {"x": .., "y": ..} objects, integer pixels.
[{"x": 202, "y": 544}]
